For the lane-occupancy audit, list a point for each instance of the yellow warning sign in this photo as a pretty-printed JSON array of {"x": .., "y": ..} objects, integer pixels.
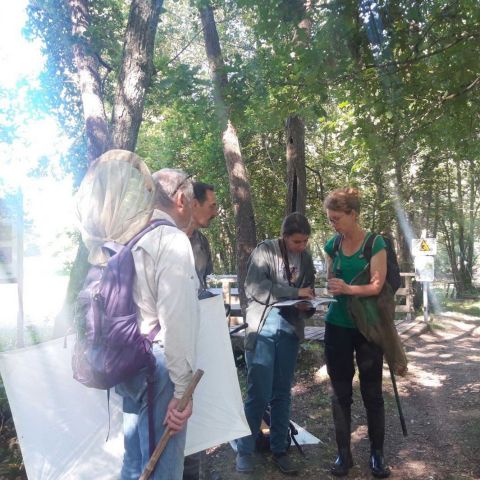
[{"x": 424, "y": 247}]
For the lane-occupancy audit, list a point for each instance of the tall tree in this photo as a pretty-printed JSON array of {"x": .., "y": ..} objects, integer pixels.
[
  {"x": 237, "y": 173},
  {"x": 295, "y": 126},
  {"x": 296, "y": 171},
  {"x": 135, "y": 72},
  {"x": 88, "y": 79},
  {"x": 136, "y": 68},
  {"x": 134, "y": 78}
]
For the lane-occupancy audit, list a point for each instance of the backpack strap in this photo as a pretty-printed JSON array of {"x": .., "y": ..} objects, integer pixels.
[
  {"x": 150, "y": 413},
  {"x": 115, "y": 247},
  {"x": 336, "y": 245},
  {"x": 368, "y": 246},
  {"x": 151, "y": 336},
  {"x": 151, "y": 226}
]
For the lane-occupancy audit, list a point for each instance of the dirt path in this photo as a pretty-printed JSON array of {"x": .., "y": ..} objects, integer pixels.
[{"x": 441, "y": 404}]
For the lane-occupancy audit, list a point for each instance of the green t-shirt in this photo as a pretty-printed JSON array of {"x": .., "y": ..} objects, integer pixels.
[{"x": 347, "y": 268}]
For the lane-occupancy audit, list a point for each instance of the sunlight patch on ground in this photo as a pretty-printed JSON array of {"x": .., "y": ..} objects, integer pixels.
[
  {"x": 360, "y": 433},
  {"x": 417, "y": 468},
  {"x": 445, "y": 355},
  {"x": 321, "y": 375},
  {"x": 432, "y": 353},
  {"x": 470, "y": 388},
  {"x": 426, "y": 378},
  {"x": 315, "y": 415},
  {"x": 449, "y": 316},
  {"x": 299, "y": 389},
  {"x": 473, "y": 358}
]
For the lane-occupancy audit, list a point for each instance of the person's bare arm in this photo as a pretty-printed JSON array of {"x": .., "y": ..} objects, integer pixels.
[{"x": 378, "y": 269}]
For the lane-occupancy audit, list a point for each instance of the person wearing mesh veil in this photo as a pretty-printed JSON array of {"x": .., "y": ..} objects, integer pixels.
[{"x": 119, "y": 198}]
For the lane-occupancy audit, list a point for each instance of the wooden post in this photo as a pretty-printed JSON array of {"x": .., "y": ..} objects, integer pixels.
[
  {"x": 226, "y": 291},
  {"x": 407, "y": 293},
  {"x": 408, "y": 298}
]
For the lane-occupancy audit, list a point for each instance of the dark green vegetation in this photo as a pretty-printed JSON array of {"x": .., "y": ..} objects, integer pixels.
[{"x": 386, "y": 93}]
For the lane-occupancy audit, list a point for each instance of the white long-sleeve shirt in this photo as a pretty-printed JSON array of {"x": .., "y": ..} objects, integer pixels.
[{"x": 165, "y": 291}]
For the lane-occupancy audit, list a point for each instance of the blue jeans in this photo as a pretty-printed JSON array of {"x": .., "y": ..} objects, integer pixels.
[
  {"x": 271, "y": 367},
  {"x": 135, "y": 425}
]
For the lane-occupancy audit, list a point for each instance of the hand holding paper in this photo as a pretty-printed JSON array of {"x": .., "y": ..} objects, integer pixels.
[{"x": 311, "y": 303}]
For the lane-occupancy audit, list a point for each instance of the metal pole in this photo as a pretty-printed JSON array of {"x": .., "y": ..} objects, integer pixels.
[{"x": 425, "y": 302}]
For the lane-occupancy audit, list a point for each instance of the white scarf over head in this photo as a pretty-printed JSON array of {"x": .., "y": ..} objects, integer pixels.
[{"x": 114, "y": 202}]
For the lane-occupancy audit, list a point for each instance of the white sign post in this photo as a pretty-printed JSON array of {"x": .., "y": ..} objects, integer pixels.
[
  {"x": 11, "y": 251},
  {"x": 424, "y": 251}
]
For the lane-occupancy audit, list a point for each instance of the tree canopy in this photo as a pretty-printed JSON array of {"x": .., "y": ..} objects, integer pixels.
[{"x": 387, "y": 92}]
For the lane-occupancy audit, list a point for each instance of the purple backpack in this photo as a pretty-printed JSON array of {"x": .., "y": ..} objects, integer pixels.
[{"x": 110, "y": 348}]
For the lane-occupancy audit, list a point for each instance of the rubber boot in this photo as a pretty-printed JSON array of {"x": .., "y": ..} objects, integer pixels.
[
  {"x": 376, "y": 433},
  {"x": 342, "y": 422},
  {"x": 376, "y": 428},
  {"x": 377, "y": 464},
  {"x": 343, "y": 463}
]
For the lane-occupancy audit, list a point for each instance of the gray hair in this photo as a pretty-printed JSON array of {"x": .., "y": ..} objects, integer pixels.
[{"x": 168, "y": 182}]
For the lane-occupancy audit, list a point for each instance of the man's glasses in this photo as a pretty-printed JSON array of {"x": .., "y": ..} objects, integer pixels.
[{"x": 180, "y": 185}]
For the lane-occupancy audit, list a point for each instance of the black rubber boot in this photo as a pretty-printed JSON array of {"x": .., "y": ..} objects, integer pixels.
[
  {"x": 343, "y": 463},
  {"x": 376, "y": 428},
  {"x": 377, "y": 464},
  {"x": 342, "y": 421},
  {"x": 376, "y": 433}
]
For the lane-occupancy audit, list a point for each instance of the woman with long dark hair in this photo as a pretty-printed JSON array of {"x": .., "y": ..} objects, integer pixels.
[{"x": 278, "y": 269}]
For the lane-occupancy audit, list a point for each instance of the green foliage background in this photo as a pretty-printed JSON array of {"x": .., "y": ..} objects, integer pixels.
[{"x": 387, "y": 91}]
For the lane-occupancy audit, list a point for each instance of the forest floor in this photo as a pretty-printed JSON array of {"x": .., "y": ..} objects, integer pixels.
[{"x": 440, "y": 398}]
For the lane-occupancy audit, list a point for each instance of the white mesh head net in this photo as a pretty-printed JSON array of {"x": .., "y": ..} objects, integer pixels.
[{"x": 114, "y": 201}]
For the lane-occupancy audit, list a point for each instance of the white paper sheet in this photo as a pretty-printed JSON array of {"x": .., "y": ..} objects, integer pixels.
[{"x": 62, "y": 425}]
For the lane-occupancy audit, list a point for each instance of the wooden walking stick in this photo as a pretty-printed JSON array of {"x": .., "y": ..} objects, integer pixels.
[
  {"x": 150, "y": 467},
  {"x": 397, "y": 398}
]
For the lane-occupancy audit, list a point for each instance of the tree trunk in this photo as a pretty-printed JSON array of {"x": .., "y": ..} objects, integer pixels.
[
  {"x": 135, "y": 76},
  {"x": 135, "y": 72},
  {"x": 472, "y": 216},
  {"x": 96, "y": 126},
  {"x": 295, "y": 130},
  {"x": 437, "y": 215},
  {"x": 464, "y": 275},
  {"x": 449, "y": 233},
  {"x": 403, "y": 247},
  {"x": 296, "y": 173},
  {"x": 98, "y": 141},
  {"x": 237, "y": 173}
]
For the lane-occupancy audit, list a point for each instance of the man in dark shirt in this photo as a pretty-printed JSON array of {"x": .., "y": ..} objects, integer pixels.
[{"x": 204, "y": 210}]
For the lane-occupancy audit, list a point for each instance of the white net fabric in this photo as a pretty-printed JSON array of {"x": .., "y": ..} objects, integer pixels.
[{"x": 114, "y": 201}]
